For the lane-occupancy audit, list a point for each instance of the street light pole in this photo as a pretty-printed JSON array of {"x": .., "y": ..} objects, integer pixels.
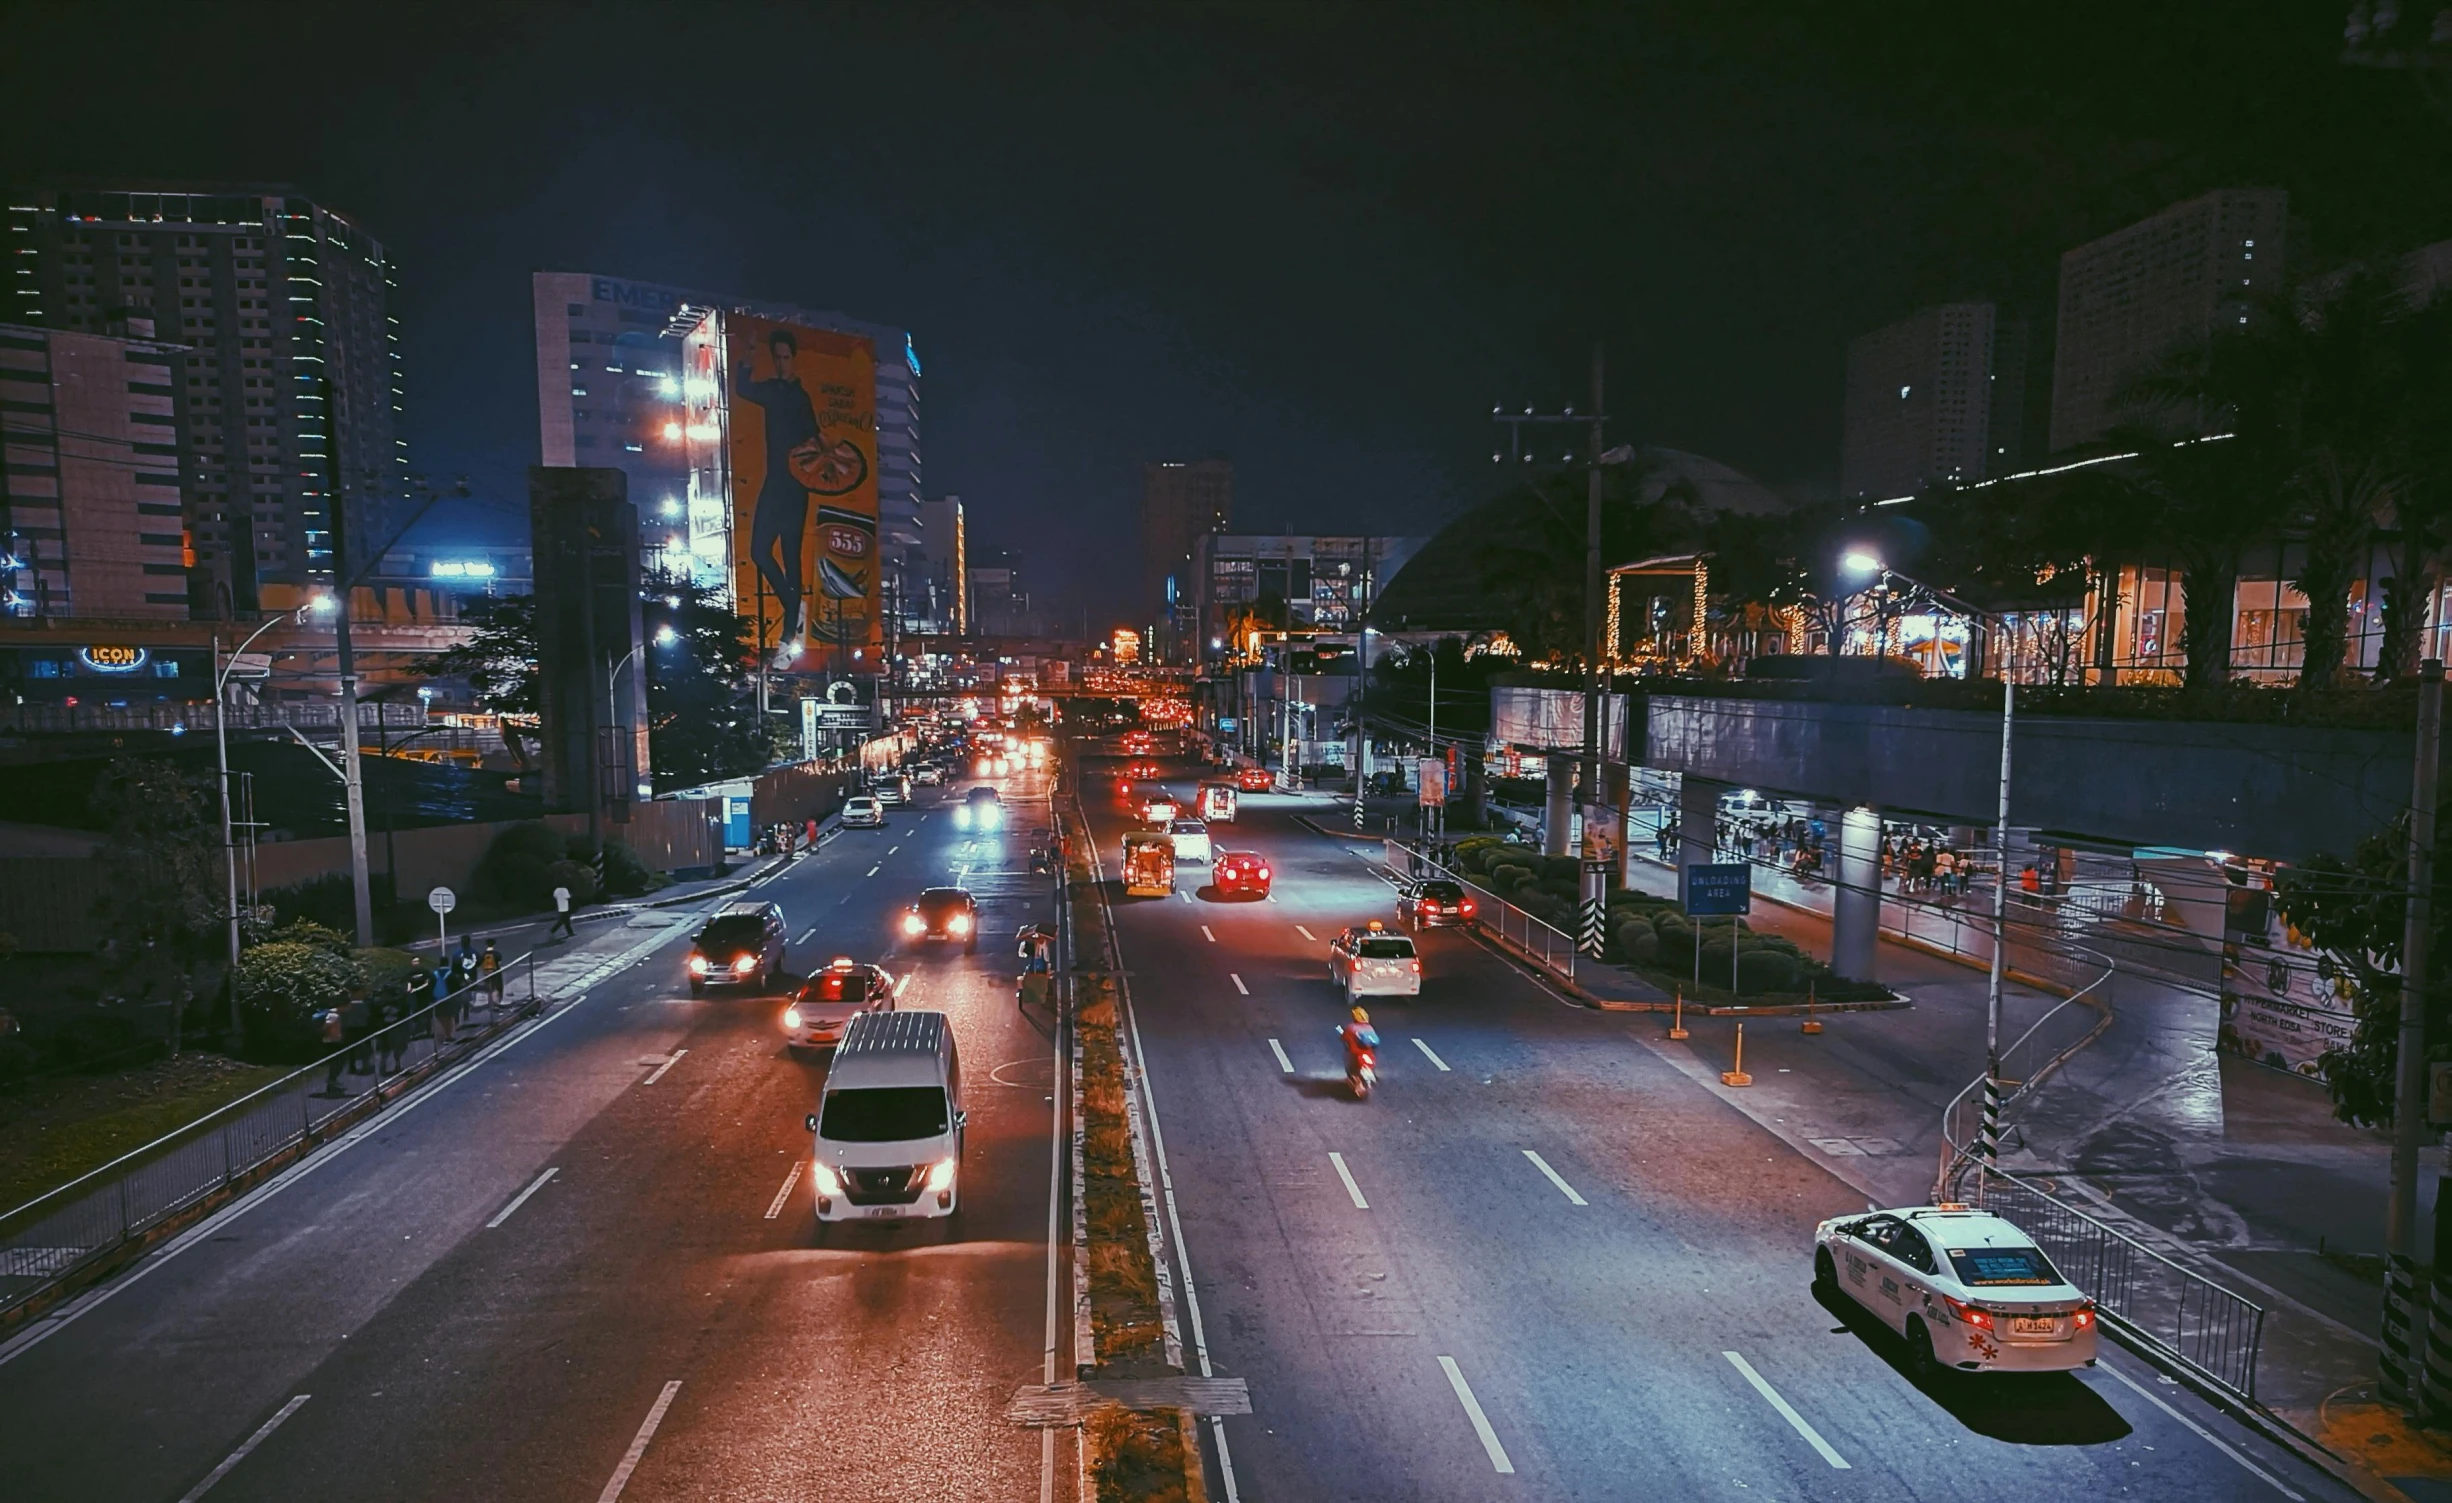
[
  {"x": 2404, "y": 1315},
  {"x": 345, "y": 585},
  {"x": 221, "y": 749}
]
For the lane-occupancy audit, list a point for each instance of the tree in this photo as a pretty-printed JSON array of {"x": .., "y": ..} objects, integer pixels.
[
  {"x": 161, "y": 886},
  {"x": 500, "y": 665},
  {"x": 702, "y": 712},
  {"x": 1534, "y": 568},
  {"x": 2421, "y": 522}
]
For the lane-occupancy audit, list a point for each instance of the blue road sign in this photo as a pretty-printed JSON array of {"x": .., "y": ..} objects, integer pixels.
[{"x": 1716, "y": 890}]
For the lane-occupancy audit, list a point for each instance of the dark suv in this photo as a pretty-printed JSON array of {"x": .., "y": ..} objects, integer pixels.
[
  {"x": 741, "y": 946},
  {"x": 1433, "y": 903},
  {"x": 943, "y": 913}
]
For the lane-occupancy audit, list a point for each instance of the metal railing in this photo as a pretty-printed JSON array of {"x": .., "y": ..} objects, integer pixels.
[
  {"x": 49, "y": 1239},
  {"x": 2184, "y": 1316},
  {"x": 1536, "y": 941}
]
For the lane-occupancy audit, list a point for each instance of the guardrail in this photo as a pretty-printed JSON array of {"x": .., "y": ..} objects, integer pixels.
[
  {"x": 55, "y": 1237},
  {"x": 2030, "y": 1059},
  {"x": 2184, "y": 1316},
  {"x": 1519, "y": 931}
]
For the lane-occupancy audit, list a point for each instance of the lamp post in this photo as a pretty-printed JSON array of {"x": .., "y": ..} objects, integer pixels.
[
  {"x": 1988, "y": 1140},
  {"x": 221, "y": 748}
]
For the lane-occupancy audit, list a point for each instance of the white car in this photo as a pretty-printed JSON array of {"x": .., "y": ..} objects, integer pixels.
[
  {"x": 1969, "y": 1291},
  {"x": 1191, "y": 840},
  {"x": 830, "y": 999},
  {"x": 1371, "y": 962},
  {"x": 863, "y": 813}
]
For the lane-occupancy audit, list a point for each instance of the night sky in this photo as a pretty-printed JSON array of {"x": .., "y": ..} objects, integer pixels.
[{"x": 1318, "y": 240}]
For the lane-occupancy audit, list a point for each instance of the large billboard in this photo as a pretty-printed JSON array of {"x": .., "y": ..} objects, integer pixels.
[{"x": 803, "y": 444}]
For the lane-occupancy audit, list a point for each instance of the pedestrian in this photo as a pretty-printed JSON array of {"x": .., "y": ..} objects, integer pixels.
[
  {"x": 810, "y": 832},
  {"x": 489, "y": 966},
  {"x": 1945, "y": 872},
  {"x": 356, "y": 1021},
  {"x": 2030, "y": 884},
  {"x": 391, "y": 1039},
  {"x": 561, "y": 915},
  {"x": 440, "y": 982},
  {"x": 334, "y": 1036},
  {"x": 464, "y": 964}
]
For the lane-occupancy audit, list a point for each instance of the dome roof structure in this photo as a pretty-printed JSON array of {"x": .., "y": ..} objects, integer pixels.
[{"x": 1440, "y": 589}]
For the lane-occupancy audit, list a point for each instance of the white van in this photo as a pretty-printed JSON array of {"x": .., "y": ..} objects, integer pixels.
[{"x": 889, "y": 1126}]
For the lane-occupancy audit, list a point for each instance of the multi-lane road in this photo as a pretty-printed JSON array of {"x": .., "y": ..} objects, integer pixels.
[
  {"x": 1541, "y": 1263},
  {"x": 591, "y": 1257}
]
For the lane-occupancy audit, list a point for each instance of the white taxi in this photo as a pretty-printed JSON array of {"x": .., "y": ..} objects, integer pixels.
[
  {"x": 1968, "y": 1290},
  {"x": 1191, "y": 837},
  {"x": 1371, "y": 962},
  {"x": 829, "y": 1000}
]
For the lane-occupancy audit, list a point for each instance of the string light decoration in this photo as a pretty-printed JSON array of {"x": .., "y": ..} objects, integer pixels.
[
  {"x": 1696, "y": 638},
  {"x": 1609, "y": 644}
]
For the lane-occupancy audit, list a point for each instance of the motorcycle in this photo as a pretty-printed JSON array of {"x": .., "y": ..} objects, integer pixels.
[{"x": 1361, "y": 1068}]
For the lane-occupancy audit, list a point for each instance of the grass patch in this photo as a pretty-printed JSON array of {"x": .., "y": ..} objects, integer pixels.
[
  {"x": 1138, "y": 1457},
  {"x": 55, "y": 1130}
]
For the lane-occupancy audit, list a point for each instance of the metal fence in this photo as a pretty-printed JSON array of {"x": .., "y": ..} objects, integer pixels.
[
  {"x": 2031, "y": 1058},
  {"x": 1544, "y": 946},
  {"x": 2183, "y": 1315},
  {"x": 49, "y": 1239}
]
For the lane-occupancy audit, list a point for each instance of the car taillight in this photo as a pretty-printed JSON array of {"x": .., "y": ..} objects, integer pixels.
[
  {"x": 1264, "y": 874},
  {"x": 2083, "y": 1317},
  {"x": 1465, "y": 907},
  {"x": 1417, "y": 966},
  {"x": 791, "y": 1017},
  {"x": 698, "y": 965},
  {"x": 1974, "y": 1315},
  {"x": 745, "y": 965}
]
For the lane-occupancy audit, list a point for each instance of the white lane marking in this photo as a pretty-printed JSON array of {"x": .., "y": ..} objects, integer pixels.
[
  {"x": 785, "y": 1193},
  {"x": 1430, "y": 1054},
  {"x": 1347, "y": 1175},
  {"x": 1239, "y": 986},
  {"x": 1481, "y": 1421},
  {"x": 1283, "y": 1063},
  {"x": 872, "y": 871},
  {"x": 2209, "y": 1438},
  {"x": 1205, "y": 934},
  {"x": 521, "y": 1198},
  {"x": 1307, "y": 934},
  {"x": 673, "y": 1060},
  {"x": 1795, "y": 1420},
  {"x": 638, "y": 1444},
  {"x": 890, "y": 850},
  {"x": 249, "y": 1444},
  {"x": 812, "y": 934},
  {"x": 1564, "y": 1188}
]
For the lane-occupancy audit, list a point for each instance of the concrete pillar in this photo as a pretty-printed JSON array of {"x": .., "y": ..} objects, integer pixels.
[
  {"x": 1618, "y": 781},
  {"x": 1698, "y": 815},
  {"x": 1559, "y": 817},
  {"x": 1856, "y": 909}
]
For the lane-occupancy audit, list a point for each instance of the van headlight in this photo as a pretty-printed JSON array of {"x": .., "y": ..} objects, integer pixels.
[
  {"x": 941, "y": 1175},
  {"x": 829, "y": 1184}
]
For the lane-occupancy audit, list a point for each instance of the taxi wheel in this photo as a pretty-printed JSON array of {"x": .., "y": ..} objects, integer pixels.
[
  {"x": 1825, "y": 1272},
  {"x": 1921, "y": 1362}
]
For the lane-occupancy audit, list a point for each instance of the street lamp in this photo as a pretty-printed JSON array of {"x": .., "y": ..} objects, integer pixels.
[
  {"x": 1864, "y": 561},
  {"x": 316, "y": 605}
]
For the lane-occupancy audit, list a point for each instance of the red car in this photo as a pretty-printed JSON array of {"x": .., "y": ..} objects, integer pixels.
[
  {"x": 1241, "y": 874},
  {"x": 1255, "y": 780}
]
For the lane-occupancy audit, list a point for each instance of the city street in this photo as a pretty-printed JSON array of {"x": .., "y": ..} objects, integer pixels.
[
  {"x": 591, "y": 1254},
  {"x": 1541, "y": 1260}
]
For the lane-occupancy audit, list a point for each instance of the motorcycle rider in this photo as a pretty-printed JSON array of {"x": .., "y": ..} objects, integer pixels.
[{"x": 1360, "y": 1039}]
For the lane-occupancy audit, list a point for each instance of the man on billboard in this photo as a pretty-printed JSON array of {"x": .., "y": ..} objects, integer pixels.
[
  {"x": 781, "y": 519},
  {"x": 798, "y": 463}
]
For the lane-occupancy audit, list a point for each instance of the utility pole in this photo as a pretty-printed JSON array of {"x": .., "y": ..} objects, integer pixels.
[
  {"x": 352, "y": 777},
  {"x": 2404, "y": 1318},
  {"x": 1989, "y": 1142}
]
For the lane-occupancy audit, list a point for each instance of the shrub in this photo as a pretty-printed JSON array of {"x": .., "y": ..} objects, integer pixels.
[
  {"x": 282, "y": 985},
  {"x": 1638, "y": 942},
  {"x": 625, "y": 875},
  {"x": 308, "y": 932},
  {"x": 1716, "y": 956},
  {"x": 1561, "y": 869},
  {"x": 1766, "y": 971},
  {"x": 387, "y": 971},
  {"x": 95, "y": 1040},
  {"x": 517, "y": 866},
  {"x": 578, "y": 876},
  {"x": 330, "y": 902}
]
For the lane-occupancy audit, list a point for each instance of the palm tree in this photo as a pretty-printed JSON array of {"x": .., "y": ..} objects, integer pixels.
[{"x": 2421, "y": 520}]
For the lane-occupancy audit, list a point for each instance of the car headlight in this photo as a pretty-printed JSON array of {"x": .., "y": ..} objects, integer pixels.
[
  {"x": 912, "y": 923},
  {"x": 829, "y": 1184},
  {"x": 791, "y": 1017},
  {"x": 991, "y": 815},
  {"x": 698, "y": 965},
  {"x": 962, "y": 815},
  {"x": 745, "y": 965},
  {"x": 941, "y": 1175},
  {"x": 960, "y": 923}
]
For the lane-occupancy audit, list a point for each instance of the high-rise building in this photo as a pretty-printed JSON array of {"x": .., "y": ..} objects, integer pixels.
[
  {"x": 1180, "y": 501},
  {"x": 1000, "y": 600},
  {"x": 91, "y": 494},
  {"x": 2159, "y": 286},
  {"x": 607, "y": 382},
  {"x": 1285, "y": 582},
  {"x": 291, "y": 368},
  {"x": 946, "y": 546},
  {"x": 1921, "y": 400}
]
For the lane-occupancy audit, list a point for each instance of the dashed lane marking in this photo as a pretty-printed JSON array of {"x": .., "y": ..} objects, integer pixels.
[
  {"x": 1787, "y": 1411},
  {"x": 1552, "y": 1175},
  {"x": 1239, "y": 986},
  {"x": 521, "y": 1198},
  {"x": 1481, "y": 1421},
  {"x": 1205, "y": 934},
  {"x": 638, "y": 1445},
  {"x": 1283, "y": 1063},
  {"x": 673, "y": 1059},
  {"x": 784, "y": 1194},
  {"x": 1347, "y": 1175},
  {"x": 1307, "y": 934},
  {"x": 1431, "y": 1054},
  {"x": 249, "y": 1444}
]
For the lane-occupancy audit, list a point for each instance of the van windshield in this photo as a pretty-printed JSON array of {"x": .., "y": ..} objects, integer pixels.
[{"x": 883, "y": 1114}]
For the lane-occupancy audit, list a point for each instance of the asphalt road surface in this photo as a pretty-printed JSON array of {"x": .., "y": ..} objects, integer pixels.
[
  {"x": 587, "y": 1268},
  {"x": 1541, "y": 1262}
]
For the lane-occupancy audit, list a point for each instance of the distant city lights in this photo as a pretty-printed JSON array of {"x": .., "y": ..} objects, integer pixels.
[{"x": 460, "y": 568}]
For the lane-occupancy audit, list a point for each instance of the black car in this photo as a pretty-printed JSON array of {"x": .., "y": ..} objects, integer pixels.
[
  {"x": 981, "y": 809},
  {"x": 741, "y": 946},
  {"x": 943, "y": 913},
  {"x": 1433, "y": 903}
]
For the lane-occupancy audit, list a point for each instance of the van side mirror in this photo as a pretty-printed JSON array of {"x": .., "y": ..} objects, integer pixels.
[
  {"x": 962, "y": 1119},
  {"x": 811, "y": 1121}
]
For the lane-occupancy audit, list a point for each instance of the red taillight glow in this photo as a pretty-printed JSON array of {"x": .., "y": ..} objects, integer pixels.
[
  {"x": 1264, "y": 874},
  {"x": 1417, "y": 966},
  {"x": 2083, "y": 1318},
  {"x": 1466, "y": 907},
  {"x": 1974, "y": 1315}
]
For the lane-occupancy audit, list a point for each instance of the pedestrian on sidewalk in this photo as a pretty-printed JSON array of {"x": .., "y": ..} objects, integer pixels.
[
  {"x": 811, "y": 833},
  {"x": 561, "y": 915},
  {"x": 334, "y": 1036},
  {"x": 356, "y": 1023},
  {"x": 391, "y": 1039},
  {"x": 464, "y": 965},
  {"x": 1945, "y": 872},
  {"x": 440, "y": 981},
  {"x": 489, "y": 966}
]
